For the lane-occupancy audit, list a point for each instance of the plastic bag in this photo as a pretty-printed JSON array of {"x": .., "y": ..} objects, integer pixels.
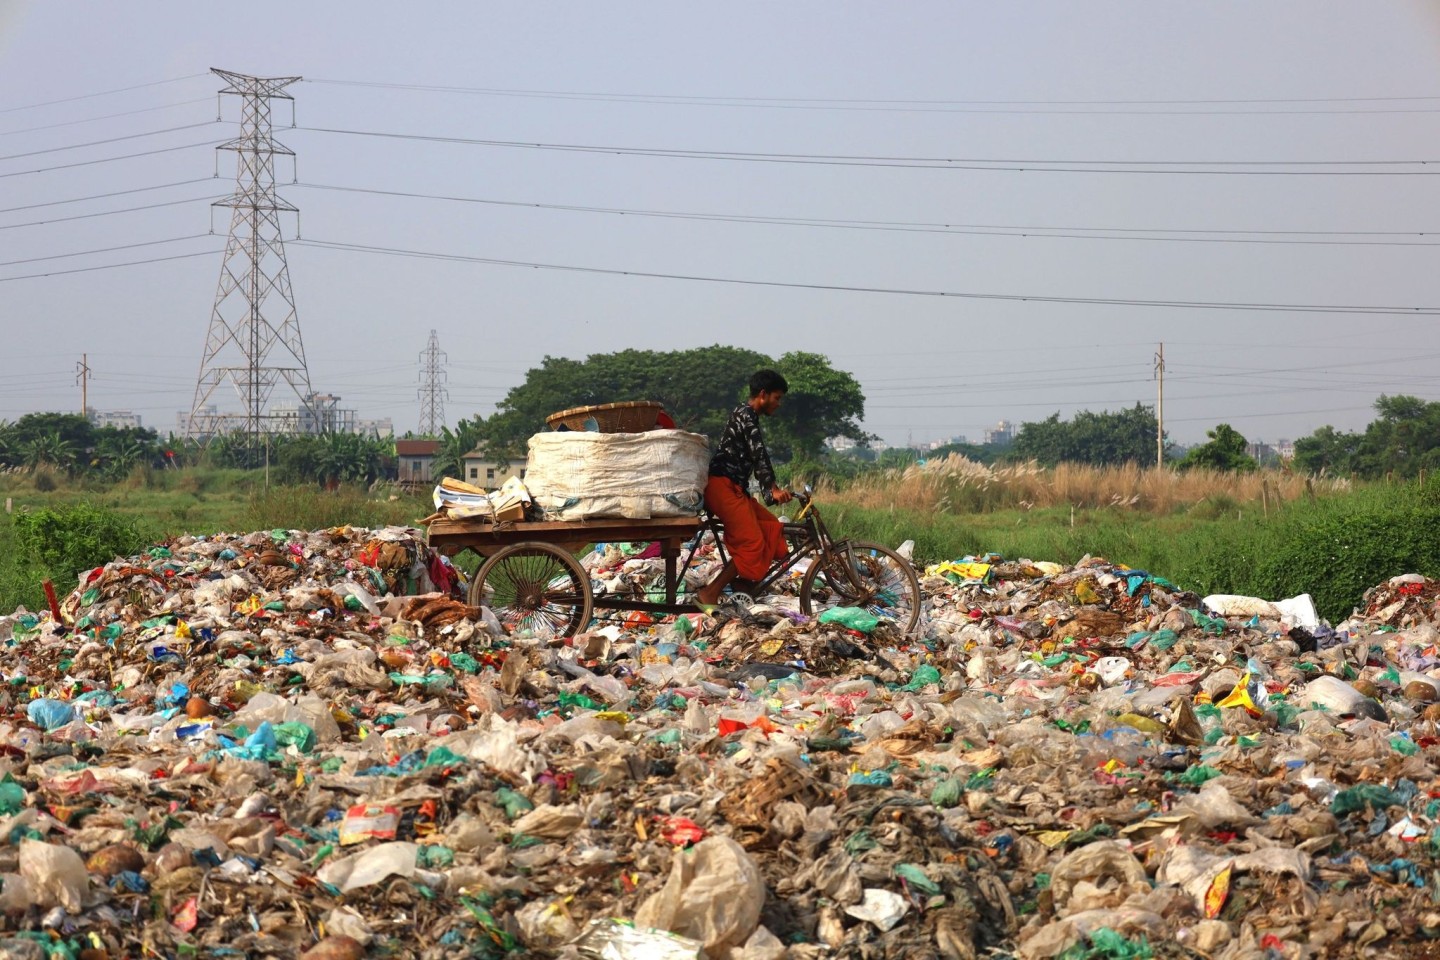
[
  {"x": 608, "y": 939},
  {"x": 883, "y": 908},
  {"x": 713, "y": 894},
  {"x": 855, "y": 618},
  {"x": 372, "y": 866},
  {"x": 56, "y": 874},
  {"x": 550, "y": 822},
  {"x": 1104, "y": 858},
  {"x": 50, "y": 714}
]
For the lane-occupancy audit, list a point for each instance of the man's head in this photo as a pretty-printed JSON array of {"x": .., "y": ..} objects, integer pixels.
[{"x": 767, "y": 389}]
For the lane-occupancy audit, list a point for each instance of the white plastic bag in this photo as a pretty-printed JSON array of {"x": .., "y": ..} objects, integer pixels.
[
  {"x": 56, "y": 874},
  {"x": 372, "y": 866},
  {"x": 713, "y": 894}
]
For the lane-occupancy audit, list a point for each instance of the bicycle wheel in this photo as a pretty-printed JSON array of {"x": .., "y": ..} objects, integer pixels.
[
  {"x": 879, "y": 580},
  {"x": 536, "y": 587}
]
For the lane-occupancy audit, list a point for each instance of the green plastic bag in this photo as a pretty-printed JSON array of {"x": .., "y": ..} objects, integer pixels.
[
  {"x": 514, "y": 804},
  {"x": 862, "y": 621},
  {"x": 296, "y": 733},
  {"x": 12, "y": 796},
  {"x": 924, "y": 676},
  {"x": 916, "y": 879},
  {"x": 1361, "y": 796},
  {"x": 947, "y": 793},
  {"x": 1198, "y": 774}
]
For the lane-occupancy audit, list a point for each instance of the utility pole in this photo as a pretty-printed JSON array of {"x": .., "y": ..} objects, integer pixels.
[
  {"x": 432, "y": 392},
  {"x": 82, "y": 377},
  {"x": 254, "y": 314},
  {"x": 1160, "y": 409}
]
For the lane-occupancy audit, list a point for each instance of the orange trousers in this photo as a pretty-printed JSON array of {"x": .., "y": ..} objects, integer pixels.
[{"x": 754, "y": 537}]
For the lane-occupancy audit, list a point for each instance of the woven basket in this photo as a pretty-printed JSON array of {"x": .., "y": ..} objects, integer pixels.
[{"x": 634, "y": 417}]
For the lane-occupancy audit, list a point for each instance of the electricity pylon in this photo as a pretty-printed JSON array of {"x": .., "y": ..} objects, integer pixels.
[
  {"x": 432, "y": 392},
  {"x": 254, "y": 338}
]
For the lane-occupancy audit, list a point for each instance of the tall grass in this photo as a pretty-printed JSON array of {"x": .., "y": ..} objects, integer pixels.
[
  {"x": 306, "y": 508},
  {"x": 955, "y": 484},
  {"x": 1333, "y": 546}
]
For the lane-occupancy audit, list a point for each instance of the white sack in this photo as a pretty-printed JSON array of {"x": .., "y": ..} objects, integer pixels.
[{"x": 580, "y": 475}]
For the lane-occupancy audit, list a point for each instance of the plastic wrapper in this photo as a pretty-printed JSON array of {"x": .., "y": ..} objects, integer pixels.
[{"x": 607, "y": 939}]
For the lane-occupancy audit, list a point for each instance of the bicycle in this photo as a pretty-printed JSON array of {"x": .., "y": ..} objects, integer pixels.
[
  {"x": 532, "y": 581},
  {"x": 839, "y": 573}
]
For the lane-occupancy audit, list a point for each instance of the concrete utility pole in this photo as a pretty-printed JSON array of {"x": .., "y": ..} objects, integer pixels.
[
  {"x": 432, "y": 392},
  {"x": 82, "y": 377},
  {"x": 1160, "y": 409},
  {"x": 254, "y": 313}
]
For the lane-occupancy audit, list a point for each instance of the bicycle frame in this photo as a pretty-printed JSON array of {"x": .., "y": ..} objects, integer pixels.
[{"x": 806, "y": 535}]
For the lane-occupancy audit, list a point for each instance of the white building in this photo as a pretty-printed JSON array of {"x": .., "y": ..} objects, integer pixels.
[
  {"x": 481, "y": 470},
  {"x": 119, "y": 419}
]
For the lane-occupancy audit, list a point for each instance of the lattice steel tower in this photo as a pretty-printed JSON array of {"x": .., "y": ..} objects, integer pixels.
[
  {"x": 432, "y": 392},
  {"x": 254, "y": 339}
]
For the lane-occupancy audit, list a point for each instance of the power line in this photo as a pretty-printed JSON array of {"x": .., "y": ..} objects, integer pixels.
[
  {"x": 127, "y": 156},
  {"x": 962, "y": 229},
  {"x": 84, "y": 253},
  {"x": 846, "y": 288},
  {"x": 110, "y": 266},
  {"x": 102, "y": 196},
  {"x": 97, "y": 143},
  {"x": 103, "y": 93},
  {"x": 932, "y": 163},
  {"x": 106, "y": 213},
  {"x": 108, "y": 116},
  {"x": 913, "y": 106}
]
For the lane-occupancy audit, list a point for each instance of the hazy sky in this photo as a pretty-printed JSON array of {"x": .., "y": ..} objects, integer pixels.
[{"x": 1182, "y": 141}]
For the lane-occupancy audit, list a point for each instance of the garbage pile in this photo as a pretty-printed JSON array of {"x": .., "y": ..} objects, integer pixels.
[{"x": 292, "y": 744}]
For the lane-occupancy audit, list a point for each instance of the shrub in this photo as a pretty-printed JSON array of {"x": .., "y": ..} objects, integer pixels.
[{"x": 62, "y": 541}]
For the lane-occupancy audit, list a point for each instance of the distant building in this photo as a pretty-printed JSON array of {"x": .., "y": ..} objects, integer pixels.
[
  {"x": 481, "y": 470},
  {"x": 950, "y": 442},
  {"x": 840, "y": 444},
  {"x": 1280, "y": 450},
  {"x": 381, "y": 428},
  {"x": 319, "y": 413},
  {"x": 119, "y": 419},
  {"x": 1002, "y": 434},
  {"x": 415, "y": 460}
]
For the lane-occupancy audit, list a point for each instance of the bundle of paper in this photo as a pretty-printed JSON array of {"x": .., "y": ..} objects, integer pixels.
[{"x": 458, "y": 500}]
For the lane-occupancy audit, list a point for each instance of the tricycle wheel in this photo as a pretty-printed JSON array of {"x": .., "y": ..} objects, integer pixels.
[
  {"x": 534, "y": 587},
  {"x": 878, "y": 580}
]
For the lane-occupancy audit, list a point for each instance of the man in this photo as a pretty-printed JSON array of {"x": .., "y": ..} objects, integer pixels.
[{"x": 753, "y": 536}]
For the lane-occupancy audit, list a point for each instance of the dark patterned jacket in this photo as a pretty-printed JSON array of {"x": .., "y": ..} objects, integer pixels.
[{"x": 741, "y": 451}]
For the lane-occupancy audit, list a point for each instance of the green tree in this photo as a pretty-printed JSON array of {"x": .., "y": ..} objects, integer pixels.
[
  {"x": 1224, "y": 451},
  {"x": 117, "y": 451},
  {"x": 699, "y": 387},
  {"x": 454, "y": 444},
  {"x": 48, "y": 450},
  {"x": 9, "y": 445},
  {"x": 75, "y": 431},
  {"x": 1100, "y": 439},
  {"x": 822, "y": 403},
  {"x": 1403, "y": 439},
  {"x": 1327, "y": 450}
]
